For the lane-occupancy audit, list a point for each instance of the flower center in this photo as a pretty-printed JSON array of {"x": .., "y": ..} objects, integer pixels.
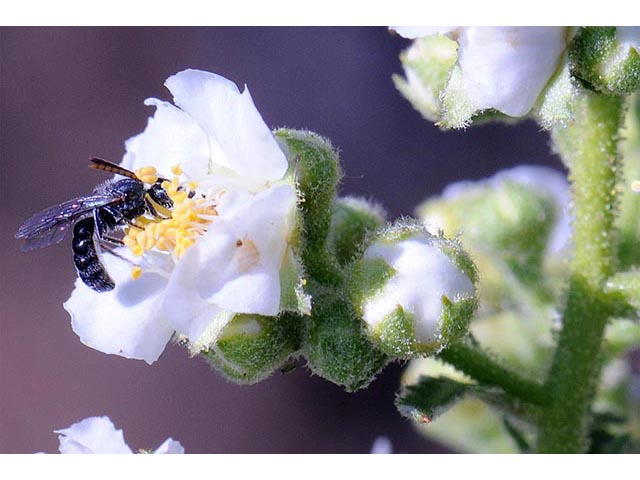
[{"x": 188, "y": 219}]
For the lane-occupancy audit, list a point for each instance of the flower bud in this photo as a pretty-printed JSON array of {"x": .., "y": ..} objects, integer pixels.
[
  {"x": 336, "y": 345},
  {"x": 607, "y": 59},
  {"x": 518, "y": 216},
  {"x": 415, "y": 291},
  {"x": 252, "y": 347},
  {"x": 479, "y": 72},
  {"x": 352, "y": 219},
  {"x": 317, "y": 171},
  {"x": 427, "y": 64}
]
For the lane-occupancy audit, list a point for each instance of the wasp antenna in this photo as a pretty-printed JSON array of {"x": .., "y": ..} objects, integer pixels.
[{"x": 107, "y": 166}]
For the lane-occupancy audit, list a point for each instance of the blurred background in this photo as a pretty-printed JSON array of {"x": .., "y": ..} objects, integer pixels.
[{"x": 67, "y": 94}]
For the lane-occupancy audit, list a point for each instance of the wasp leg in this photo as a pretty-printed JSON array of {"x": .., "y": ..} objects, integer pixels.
[
  {"x": 153, "y": 210},
  {"x": 109, "y": 249},
  {"x": 103, "y": 229}
]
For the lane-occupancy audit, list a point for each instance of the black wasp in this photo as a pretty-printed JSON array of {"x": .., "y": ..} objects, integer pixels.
[{"x": 112, "y": 205}]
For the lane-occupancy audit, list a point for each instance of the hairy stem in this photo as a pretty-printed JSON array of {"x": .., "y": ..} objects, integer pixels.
[
  {"x": 589, "y": 149},
  {"x": 470, "y": 359}
]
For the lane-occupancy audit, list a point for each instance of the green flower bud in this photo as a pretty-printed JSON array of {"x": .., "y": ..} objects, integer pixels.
[
  {"x": 607, "y": 59},
  {"x": 479, "y": 73},
  {"x": 252, "y": 347},
  {"x": 336, "y": 345},
  {"x": 353, "y": 218},
  {"x": 427, "y": 65},
  {"x": 415, "y": 291},
  {"x": 317, "y": 172}
]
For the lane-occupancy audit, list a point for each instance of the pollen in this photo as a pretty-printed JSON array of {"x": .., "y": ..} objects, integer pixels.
[
  {"x": 147, "y": 174},
  {"x": 190, "y": 216},
  {"x": 136, "y": 272}
]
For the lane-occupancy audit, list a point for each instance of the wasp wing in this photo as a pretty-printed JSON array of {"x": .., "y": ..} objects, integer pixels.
[{"x": 50, "y": 226}]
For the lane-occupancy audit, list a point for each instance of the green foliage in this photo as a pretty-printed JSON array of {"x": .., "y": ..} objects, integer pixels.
[{"x": 430, "y": 397}]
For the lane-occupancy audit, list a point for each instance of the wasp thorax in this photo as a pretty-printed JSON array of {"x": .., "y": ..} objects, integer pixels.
[{"x": 191, "y": 214}]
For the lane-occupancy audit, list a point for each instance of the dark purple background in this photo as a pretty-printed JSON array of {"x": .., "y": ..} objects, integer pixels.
[{"x": 71, "y": 93}]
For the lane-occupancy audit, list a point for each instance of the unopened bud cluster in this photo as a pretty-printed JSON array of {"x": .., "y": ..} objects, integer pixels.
[
  {"x": 458, "y": 75},
  {"x": 379, "y": 292}
]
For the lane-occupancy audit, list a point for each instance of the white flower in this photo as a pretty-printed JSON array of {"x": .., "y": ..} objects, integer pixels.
[
  {"x": 422, "y": 276},
  {"x": 233, "y": 236},
  {"x": 99, "y": 435},
  {"x": 504, "y": 68}
]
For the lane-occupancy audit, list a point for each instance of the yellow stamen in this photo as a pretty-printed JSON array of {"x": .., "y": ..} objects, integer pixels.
[
  {"x": 188, "y": 219},
  {"x": 147, "y": 174},
  {"x": 135, "y": 273}
]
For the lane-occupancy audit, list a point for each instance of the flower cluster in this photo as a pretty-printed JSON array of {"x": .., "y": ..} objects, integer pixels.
[{"x": 256, "y": 234}]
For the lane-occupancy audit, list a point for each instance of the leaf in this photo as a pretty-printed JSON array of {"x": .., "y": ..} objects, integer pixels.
[{"x": 430, "y": 397}]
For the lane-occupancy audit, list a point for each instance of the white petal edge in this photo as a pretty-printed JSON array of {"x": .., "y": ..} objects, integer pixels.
[
  {"x": 92, "y": 435},
  {"x": 232, "y": 121},
  {"x": 170, "y": 446},
  {"x": 416, "y": 32},
  {"x": 126, "y": 321},
  {"x": 507, "y": 68},
  {"x": 171, "y": 137}
]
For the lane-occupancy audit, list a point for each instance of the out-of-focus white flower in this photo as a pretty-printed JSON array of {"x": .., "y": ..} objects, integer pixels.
[
  {"x": 545, "y": 181},
  {"x": 382, "y": 445},
  {"x": 228, "y": 240},
  {"x": 502, "y": 68},
  {"x": 99, "y": 435}
]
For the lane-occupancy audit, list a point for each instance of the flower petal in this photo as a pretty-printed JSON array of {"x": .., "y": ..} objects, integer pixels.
[
  {"x": 92, "y": 435},
  {"x": 170, "y": 446},
  {"x": 126, "y": 321},
  {"x": 415, "y": 32},
  {"x": 171, "y": 137},
  {"x": 506, "y": 68},
  {"x": 232, "y": 121},
  {"x": 235, "y": 266},
  {"x": 423, "y": 275}
]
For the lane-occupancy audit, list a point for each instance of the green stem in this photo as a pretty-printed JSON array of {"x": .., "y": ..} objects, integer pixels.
[
  {"x": 470, "y": 359},
  {"x": 589, "y": 149}
]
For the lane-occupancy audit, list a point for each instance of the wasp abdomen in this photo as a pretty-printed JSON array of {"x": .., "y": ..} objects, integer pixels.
[{"x": 85, "y": 257}]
